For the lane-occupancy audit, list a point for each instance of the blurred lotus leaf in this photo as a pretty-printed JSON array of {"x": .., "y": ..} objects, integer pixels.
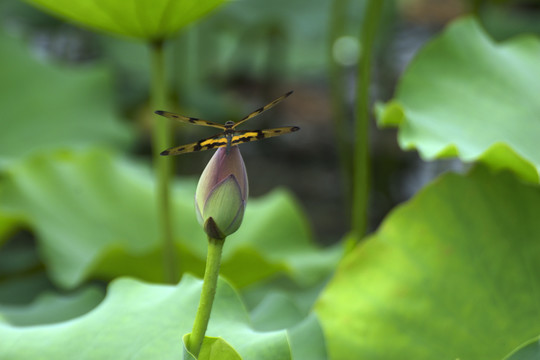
[
  {"x": 452, "y": 274},
  {"x": 7, "y": 226},
  {"x": 465, "y": 95},
  {"x": 94, "y": 216},
  {"x": 51, "y": 308},
  {"x": 279, "y": 311},
  {"x": 530, "y": 350},
  {"x": 143, "y": 19},
  {"x": 144, "y": 321},
  {"x": 47, "y": 107},
  {"x": 22, "y": 277}
]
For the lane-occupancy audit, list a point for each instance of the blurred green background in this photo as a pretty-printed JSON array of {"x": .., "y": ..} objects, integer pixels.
[
  {"x": 76, "y": 186},
  {"x": 65, "y": 87},
  {"x": 238, "y": 58}
]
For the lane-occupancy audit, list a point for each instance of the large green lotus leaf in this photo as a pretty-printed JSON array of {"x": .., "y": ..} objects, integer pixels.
[
  {"x": 144, "y": 321},
  {"x": 275, "y": 238},
  {"x": 52, "y": 308},
  {"x": 80, "y": 206},
  {"x": 143, "y": 19},
  {"x": 45, "y": 106},
  {"x": 452, "y": 274},
  {"x": 464, "y": 94},
  {"x": 94, "y": 216}
]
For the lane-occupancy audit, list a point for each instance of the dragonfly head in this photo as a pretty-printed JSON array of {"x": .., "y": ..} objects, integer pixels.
[{"x": 229, "y": 123}]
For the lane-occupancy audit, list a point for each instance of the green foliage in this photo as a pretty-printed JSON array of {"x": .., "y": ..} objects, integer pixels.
[
  {"x": 143, "y": 19},
  {"x": 144, "y": 321},
  {"x": 52, "y": 308},
  {"x": 94, "y": 215},
  {"x": 7, "y": 224},
  {"x": 446, "y": 274},
  {"x": 62, "y": 107},
  {"x": 464, "y": 95},
  {"x": 21, "y": 280},
  {"x": 454, "y": 261},
  {"x": 307, "y": 338},
  {"x": 278, "y": 310},
  {"x": 462, "y": 257}
]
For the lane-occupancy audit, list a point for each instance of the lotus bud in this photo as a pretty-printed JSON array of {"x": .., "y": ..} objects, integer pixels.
[{"x": 221, "y": 195}]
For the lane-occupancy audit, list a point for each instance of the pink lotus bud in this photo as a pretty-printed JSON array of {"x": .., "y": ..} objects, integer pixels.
[{"x": 221, "y": 195}]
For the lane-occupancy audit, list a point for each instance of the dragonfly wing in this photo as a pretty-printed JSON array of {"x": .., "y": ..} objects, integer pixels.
[
  {"x": 189, "y": 120},
  {"x": 201, "y": 145},
  {"x": 262, "y": 109},
  {"x": 242, "y": 136}
]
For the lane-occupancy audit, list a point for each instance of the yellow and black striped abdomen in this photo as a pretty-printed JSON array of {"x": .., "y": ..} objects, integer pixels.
[{"x": 237, "y": 137}]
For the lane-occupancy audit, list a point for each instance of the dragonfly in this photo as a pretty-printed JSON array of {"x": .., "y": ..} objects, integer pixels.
[{"x": 230, "y": 136}]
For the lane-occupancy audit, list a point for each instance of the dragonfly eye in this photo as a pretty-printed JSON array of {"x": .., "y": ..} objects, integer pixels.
[{"x": 229, "y": 123}]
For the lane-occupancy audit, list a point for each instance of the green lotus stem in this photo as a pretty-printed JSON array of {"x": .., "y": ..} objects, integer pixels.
[
  {"x": 361, "y": 173},
  {"x": 162, "y": 139},
  {"x": 337, "y": 95},
  {"x": 211, "y": 273}
]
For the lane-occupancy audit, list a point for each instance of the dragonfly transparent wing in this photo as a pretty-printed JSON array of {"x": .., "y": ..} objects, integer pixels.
[
  {"x": 262, "y": 109},
  {"x": 189, "y": 120}
]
